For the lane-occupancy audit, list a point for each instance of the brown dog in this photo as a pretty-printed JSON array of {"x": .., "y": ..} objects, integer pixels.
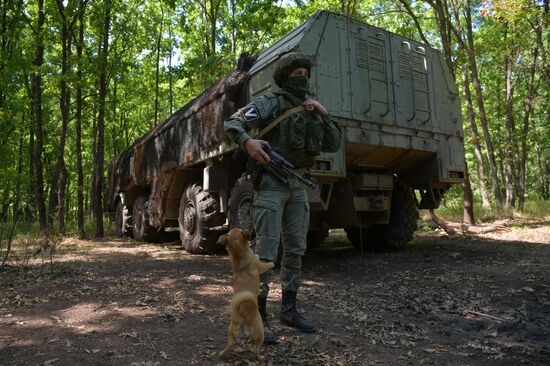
[{"x": 246, "y": 286}]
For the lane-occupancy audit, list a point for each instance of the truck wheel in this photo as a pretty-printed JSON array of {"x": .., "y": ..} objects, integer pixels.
[
  {"x": 316, "y": 237},
  {"x": 123, "y": 220},
  {"x": 142, "y": 230},
  {"x": 398, "y": 232},
  {"x": 198, "y": 212},
  {"x": 239, "y": 205},
  {"x": 240, "y": 213}
]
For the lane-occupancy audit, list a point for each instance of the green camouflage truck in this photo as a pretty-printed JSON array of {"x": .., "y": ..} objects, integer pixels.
[{"x": 395, "y": 100}]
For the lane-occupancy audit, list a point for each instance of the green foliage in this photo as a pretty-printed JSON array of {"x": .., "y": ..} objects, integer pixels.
[
  {"x": 455, "y": 212},
  {"x": 199, "y": 42}
]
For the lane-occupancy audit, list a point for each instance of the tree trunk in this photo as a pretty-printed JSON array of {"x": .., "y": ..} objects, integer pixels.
[
  {"x": 157, "y": 75},
  {"x": 5, "y": 205},
  {"x": 468, "y": 198},
  {"x": 62, "y": 185},
  {"x": 210, "y": 13},
  {"x": 92, "y": 197},
  {"x": 441, "y": 11},
  {"x": 485, "y": 201},
  {"x": 213, "y": 27},
  {"x": 126, "y": 132},
  {"x": 509, "y": 148},
  {"x": 99, "y": 232},
  {"x": 409, "y": 11},
  {"x": 540, "y": 30},
  {"x": 544, "y": 173},
  {"x": 68, "y": 200},
  {"x": 170, "y": 66},
  {"x": 59, "y": 180},
  {"x": 78, "y": 128},
  {"x": 52, "y": 196},
  {"x": 37, "y": 111},
  {"x": 17, "y": 201},
  {"x": 441, "y": 223},
  {"x": 3, "y": 46},
  {"x": 528, "y": 105},
  {"x": 115, "y": 135},
  {"x": 233, "y": 27},
  {"x": 31, "y": 209},
  {"x": 481, "y": 106}
]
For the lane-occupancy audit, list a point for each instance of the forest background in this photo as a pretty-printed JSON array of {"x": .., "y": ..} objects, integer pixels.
[{"x": 81, "y": 80}]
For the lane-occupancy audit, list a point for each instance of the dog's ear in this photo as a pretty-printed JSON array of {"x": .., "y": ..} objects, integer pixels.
[
  {"x": 245, "y": 235},
  {"x": 222, "y": 240}
]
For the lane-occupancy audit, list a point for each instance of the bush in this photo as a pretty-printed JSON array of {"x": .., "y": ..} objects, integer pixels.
[{"x": 454, "y": 211}]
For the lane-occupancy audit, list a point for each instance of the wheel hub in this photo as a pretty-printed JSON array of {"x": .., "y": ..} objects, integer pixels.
[{"x": 189, "y": 215}]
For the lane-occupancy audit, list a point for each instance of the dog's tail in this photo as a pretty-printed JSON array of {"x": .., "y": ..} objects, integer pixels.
[{"x": 245, "y": 304}]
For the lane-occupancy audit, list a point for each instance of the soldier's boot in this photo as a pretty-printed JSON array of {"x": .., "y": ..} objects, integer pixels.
[
  {"x": 290, "y": 315},
  {"x": 269, "y": 336}
]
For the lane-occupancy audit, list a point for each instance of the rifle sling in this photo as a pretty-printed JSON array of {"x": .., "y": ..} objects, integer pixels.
[{"x": 279, "y": 119}]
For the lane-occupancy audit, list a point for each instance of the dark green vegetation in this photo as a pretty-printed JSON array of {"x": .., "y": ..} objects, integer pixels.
[{"x": 81, "y": 80}]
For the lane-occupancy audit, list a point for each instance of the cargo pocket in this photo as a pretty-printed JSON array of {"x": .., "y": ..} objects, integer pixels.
[
  {"x": 265, "y": 214},
  {"x": 268, "y": 228},
  {"x": 295, "y": 232}
]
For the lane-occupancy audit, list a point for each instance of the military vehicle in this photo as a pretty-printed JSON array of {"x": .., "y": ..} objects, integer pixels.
[{"x": 395, "y": 100}]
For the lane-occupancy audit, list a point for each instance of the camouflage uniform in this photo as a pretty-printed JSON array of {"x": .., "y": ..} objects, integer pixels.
[{"x": 280, "y": 204}]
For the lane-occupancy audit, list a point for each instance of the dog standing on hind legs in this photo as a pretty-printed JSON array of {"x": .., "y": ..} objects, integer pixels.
[{"x": 247, "y": 268}]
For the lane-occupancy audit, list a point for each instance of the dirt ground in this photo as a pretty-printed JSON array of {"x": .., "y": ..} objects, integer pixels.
[{"x": 461, "y": 300}]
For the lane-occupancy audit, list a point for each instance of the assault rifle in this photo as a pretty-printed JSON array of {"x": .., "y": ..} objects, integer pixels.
[{"x": 279, "y": 164}]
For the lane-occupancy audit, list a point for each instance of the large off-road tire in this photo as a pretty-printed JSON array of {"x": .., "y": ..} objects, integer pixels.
[
  {"x": 141, "y": 229},
  {"x": 240, "y": 212},
  {"x": 316, "y": 237},
  {"x": 395, "y": 234},
  {"x": 240, "y": 205},
  {"x": 198, "y": 212},
  {"x": 123, "y": 220}
]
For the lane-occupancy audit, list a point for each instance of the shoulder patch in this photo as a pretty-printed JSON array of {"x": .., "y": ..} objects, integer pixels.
[
  {"x": 250, "y": 112},
  {"x": 267, "y": 105}
]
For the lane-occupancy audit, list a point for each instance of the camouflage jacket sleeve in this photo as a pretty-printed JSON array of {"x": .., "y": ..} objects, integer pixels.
[
  {"x": 332, "y": 136},
  {"x": 254, "y": 115}
]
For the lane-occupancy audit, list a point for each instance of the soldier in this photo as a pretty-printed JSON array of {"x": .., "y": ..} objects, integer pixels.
[{"x": 280, "y": 207}]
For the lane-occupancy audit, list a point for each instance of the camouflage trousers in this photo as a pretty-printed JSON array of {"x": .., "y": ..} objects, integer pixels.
[{"x": 281, "y": 217}]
